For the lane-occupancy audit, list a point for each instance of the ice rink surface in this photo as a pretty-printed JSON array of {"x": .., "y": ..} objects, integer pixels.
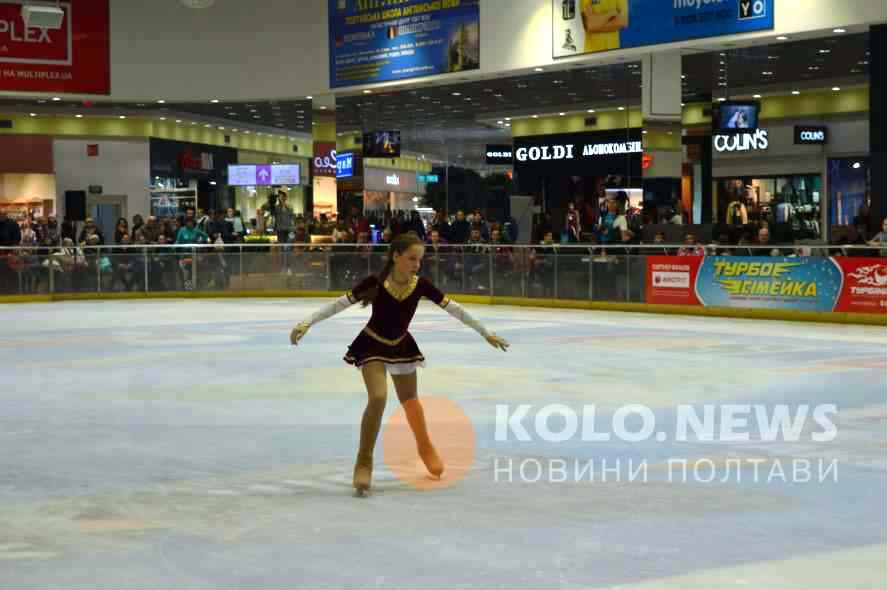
[{"x": 185, "y": 444}]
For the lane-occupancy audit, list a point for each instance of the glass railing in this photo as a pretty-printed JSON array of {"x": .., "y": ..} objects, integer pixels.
[{"x": 577, "y": 272}]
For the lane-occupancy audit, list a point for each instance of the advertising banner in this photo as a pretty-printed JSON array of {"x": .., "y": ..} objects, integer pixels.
[
  {"x": 759, "y": 282},
  {"x": 671, "y": 280},
  {"x": 324, "y": 163},
  {"x": 380, "y": 41},
  {"x": 264, "y": 174},
  {"x": 865, "y": 285},
  {"x": 591, "y": 26},
  {"x": 72, "y": 59}
]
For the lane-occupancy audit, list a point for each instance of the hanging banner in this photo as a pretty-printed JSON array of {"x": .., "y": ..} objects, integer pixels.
[
  {"x": 591, "y": 26},
  {"x": 837, "y": 284},
  {"x": 74, "y": 58},
  {"x": 379, "y": 41}
]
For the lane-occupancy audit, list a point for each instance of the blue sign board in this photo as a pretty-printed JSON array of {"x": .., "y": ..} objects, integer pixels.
[
  {"x": 344, "y": 165},
  {"x": 379, "y": 41},
  {"x": 591, "y": 26},
  {"x": 428, "y": 178}
]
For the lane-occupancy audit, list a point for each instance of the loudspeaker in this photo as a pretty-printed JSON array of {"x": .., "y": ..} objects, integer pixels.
[{"x": 75, "y": 205}]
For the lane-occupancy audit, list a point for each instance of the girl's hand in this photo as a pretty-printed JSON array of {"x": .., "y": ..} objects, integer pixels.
[
  {"x": 497, "y": 342},
  {"x": 298, "y": 333}
]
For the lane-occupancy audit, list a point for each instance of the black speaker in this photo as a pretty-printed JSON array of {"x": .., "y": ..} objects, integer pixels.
[{"x": 75, "y": 205}]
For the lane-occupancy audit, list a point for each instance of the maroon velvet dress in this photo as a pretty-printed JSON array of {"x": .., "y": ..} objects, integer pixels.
[{"x": 386, "y": 337}]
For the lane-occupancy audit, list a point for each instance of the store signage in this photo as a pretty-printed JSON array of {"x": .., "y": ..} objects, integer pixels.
[
  {"x": 578, "y": 26},
  {"x": 187, "y": 160},
  {"x": 646, "y": 161},
  {"x": 811, "y": 135},
  {"x": 74, "y": 58},
  {"x": 382, "y": 40},
  {"x": 499, "y": 155},
  {"x": 264, "y": 174},
  {"x": 392, "y": 180},
  {"x": 345, "y": 165},
  {"x": 742, "y": 142},
  {"x": 428, "y": 178},
  {"x": 570, "y": 151},
  {"x": 324, "y": 163}
]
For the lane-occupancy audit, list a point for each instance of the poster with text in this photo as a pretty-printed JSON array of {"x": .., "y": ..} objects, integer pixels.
[
  {"x": 591, "y": 26},
  {"x": 73, "y": 59},
  {"x": 865, "y": 285},
  {"x": 379, "y": 41},
  {"x": 671, "y": 280}
]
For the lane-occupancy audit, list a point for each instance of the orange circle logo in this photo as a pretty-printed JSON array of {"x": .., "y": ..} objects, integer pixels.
[{"x": 451, "y": 433}]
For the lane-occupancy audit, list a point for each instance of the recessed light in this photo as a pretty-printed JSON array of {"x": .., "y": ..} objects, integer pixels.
[
  {"x": 221, "y": 128},
  {"x": 535, "y": 116},
  {"x": 163, "y": 118},
  {"x": 591, "y": 110},
  {"x": 41, "y": 101},
  {"x": 33, "y": 114},
  {"x": 215, "y": 101},
  {"x": 55, "y": 99},
  {"x": 323, "y": 108},
  {"x": 757, "y": 96},
  {"x": 508, "y": 118},
  {"x": 782, "y": 38},
  {"x": 839, "y": 31},
  {"x": 836, "y": 88},
  {"x": 194, "y": 122},
  {"x": 367, "y": 91},
  {"x": 621, "y": 108},
  {"x": 857, "y": 165},
  {"x": 538, "y": 69},
  {"x": 457, "y": 94},
  {"x": 824, "y": 51},
  {"x": 178, "y": 120},
  {"x": 309, "y": 98},
  {"x": 508, "y": 124},
  {"x": 683, "y": 76},
  {"x": 161, "y": 101},
  {"x": 500, "y": 122},
  {"x": 122, "y": 116},
  {"x": 683, "y": 104},
  {"x": 796, "y": 92},
  {"x": 207, "y": 125},
  {"x": 561, "y": 114},
  {"x": 247, "y": 131},
  {"x": 79, "y": 116},
  {"x": 766, "y": 73},
  {"x": 722, "y": 99}
]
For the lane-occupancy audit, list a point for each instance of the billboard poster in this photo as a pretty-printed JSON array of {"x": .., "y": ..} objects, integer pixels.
[
  {"x": 74, "y": 58},
  {"x": 839, "y": 284},
  {"x": 592, "y": 26},
  {"x": 380, "y": 41}
]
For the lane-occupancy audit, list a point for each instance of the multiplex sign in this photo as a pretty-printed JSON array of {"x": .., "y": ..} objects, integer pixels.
[
  {"x": 571, "y": 151},
  {"x": 72, "y": 59},
  {"x": 742, "y": 142}
]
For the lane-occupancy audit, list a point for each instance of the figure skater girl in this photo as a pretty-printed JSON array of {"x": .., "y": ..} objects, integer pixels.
[{"x": 386, "y": 346}]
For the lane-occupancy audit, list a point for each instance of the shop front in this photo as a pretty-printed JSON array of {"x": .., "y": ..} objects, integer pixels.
[
  {"x": 27, "y": 177},
  {"x": 323, "y": 180},
  {"x": 386, "y": 188},
  {"x": 185, "y": 175},
  {"x": 778, "y": 174},
  {"x": 577, "y": 172},
  {"x": 249, "y": 196}
]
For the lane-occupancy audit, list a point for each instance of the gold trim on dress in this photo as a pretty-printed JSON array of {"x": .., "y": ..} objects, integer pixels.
[
  {"x": 401, "y": 293},
  {"x": 413, "y": 359},
  {"x": 444, "y": 302},
  {"x": 372, "y": 334}
]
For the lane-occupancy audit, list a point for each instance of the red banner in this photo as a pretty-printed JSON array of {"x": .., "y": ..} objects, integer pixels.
[
  {"x": 865, "y": 285},
  {"x": 324, "y": 163},
  {"x": 671, "y": 280},
  {"x": 73, "y": 59}
]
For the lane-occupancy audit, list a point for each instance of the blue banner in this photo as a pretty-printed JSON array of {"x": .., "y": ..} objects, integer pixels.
[
  {"x": 807, "y": 284},
  {"x": 380, "y": 41},
  {"x": 591, "y": 26}
]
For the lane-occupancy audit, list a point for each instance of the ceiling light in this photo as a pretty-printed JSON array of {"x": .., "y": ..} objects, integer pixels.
[
  {"x": 122, "y": 116},
  {"x": 782, "y": 38},
  {"x": 500, "y": 122},
  {"x": 766, "y": 73},
  {"x": 55, "y": 99},
  {"x": 621, "y": 108},
  {"x": 178, "y": 120},
  {"x": 33, "y": 114},
  {"x": 163, "y": 118},
  {"x": 215, "y": 101},
  {"x": 79, "y": 116},
  {"x": 367, "y": 91},
  {"x": 757, "y": 96},
  {"x": 722, "y": 99},
  {"x": 836, "y": 88},
  {"x": 457, "y": 94},
  {"x": 538, "y": 69},
  {"x": 309, "y": 98},
  {"x": 796, "y": 92},
  {"x": 161, "y": 101},
  {"x": 857, "y": 165},
  {"x": 508, "y": 118},
  {"x": 561, "y": 114},
  {"x": 194, "y": 122},
  {"x": 683, "y": 104},
  {"x": 221, "y": 128},
  {"x": 683, "y": 76},
  {"x": 508, "y": 124},
  {"x": 247, "y": 131},
  {"x": 535, "y": 116},
  {"x": 824, "y": 51},
  {"x": 644, "y": 132},
  {"x": 207, "y": 125},
  {"x": 839, "y": 31},
  {"x": 590, "y": 110},
  {"x": 323, "y": 108}
]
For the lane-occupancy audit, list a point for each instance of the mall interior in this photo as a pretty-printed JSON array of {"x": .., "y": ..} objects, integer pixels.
[{"x": 657, "y": 202}]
